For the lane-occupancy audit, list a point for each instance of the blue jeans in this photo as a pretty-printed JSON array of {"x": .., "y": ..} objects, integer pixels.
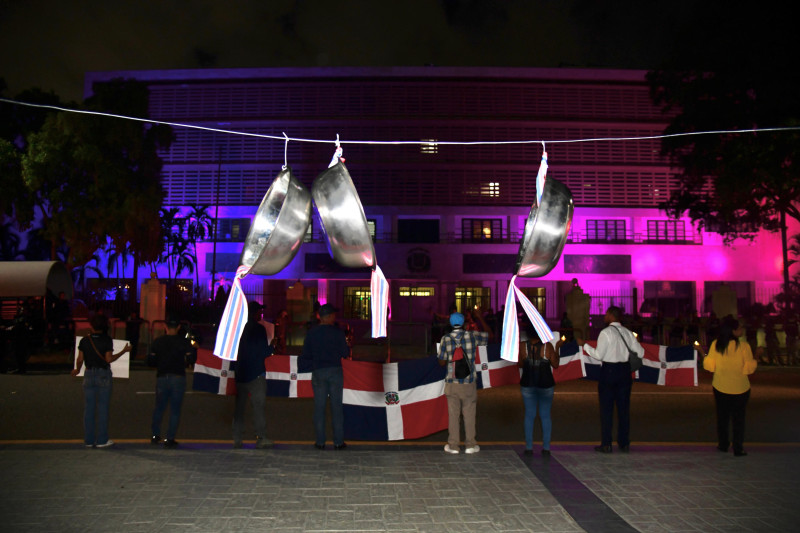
[
  {"x": 97, "y": 398},
  {"x": 328, "y": 382},
  {"x": 542, "y": 399},
  {"x": 169, "y": 390}
]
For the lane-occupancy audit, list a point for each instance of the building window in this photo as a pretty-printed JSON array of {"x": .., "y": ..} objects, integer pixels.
[
  {"x": 309, "y": 236},
  {"x": 371, "y": 224},
  {"x": 428, "y": 146},
  {"x": 356, "y": 303},
  {"x": 418, "y": 230},
  {"x": 491, "y": 189},
  {"x": 670, "y": 298},
  {"x": 538, "y": 297},
  {"x": 232, "y": 229},
  {"x": 605, "y": 230},
  {"x": 481, "y": 230},
  {"x": 417, "y": 291},
  {"x": 469, "y": 298},
  {"x": 666, "y": 230}
]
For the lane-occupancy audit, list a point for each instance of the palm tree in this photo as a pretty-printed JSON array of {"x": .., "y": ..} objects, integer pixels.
[
  {"x": 198, "y": 227},
  {"x": 9, "y": 242},
  {"x": 79, "y": 272},
  {"x": 171, "y": 235},
  {"x": 37, "y": 247}
]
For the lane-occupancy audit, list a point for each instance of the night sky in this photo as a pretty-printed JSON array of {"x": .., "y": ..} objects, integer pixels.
[{"x": 51, "y": 43}]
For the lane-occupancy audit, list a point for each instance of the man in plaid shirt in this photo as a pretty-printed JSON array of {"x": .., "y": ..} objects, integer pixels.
[{"x": 462, "y": 394}]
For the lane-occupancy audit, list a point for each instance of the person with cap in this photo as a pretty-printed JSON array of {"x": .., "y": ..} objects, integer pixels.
[
  {"x": 461, "y": 392},
  {"x": 251, "y": 377},
  {"x": 170, "y": 354},
  {"x": 326, "y": 345}
]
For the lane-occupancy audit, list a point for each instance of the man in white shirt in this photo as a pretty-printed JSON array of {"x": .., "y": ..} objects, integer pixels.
[{"x": 615, "y": 382}]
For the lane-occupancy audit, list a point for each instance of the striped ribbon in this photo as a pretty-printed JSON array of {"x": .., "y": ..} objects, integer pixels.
[
  {"x": 233, "y": 319},
  {"x": 337, "y": 155},
  {"x": 540, "y": 177},
  {"x": 379, "y": 300},
  {"x": 509, "y": 349}
]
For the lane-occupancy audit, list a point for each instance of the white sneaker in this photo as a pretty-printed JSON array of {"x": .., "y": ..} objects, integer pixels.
[
  {"x": 107, "y": 444},
  {"x": 448, "y": 449},
  {"x": 473, "y": 449}
]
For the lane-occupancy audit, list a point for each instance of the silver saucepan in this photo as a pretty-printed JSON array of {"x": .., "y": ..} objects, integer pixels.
[
  {"x": 342, "y": 217},
  {"x": 279, "y": 226},
  {"x": 545, "y": 231}
]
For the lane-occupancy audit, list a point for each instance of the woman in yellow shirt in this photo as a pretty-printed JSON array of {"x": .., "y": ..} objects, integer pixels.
[{"x": 731, "y": 361}]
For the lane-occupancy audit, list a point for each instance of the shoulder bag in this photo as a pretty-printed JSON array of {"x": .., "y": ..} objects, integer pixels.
[{"x": 633, "y": 357}]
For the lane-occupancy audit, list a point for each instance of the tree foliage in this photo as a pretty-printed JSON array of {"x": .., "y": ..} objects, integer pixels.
[
  {"x": 733, "y": 184},
  {"x": 730, "y": 183},
  {"x": 98, "y": 178}
]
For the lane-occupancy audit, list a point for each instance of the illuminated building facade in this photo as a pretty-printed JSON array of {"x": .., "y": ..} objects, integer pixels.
[{"x": 447, "y": 219}]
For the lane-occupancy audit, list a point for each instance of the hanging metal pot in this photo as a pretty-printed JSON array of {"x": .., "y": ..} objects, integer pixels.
[
  {"x": 342, "y": 217},
  {"x": 279, "y": 226},
  {"x": 545, "y": 231}
]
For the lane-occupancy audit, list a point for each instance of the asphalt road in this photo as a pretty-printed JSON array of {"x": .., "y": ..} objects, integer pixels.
[{"x": 47, "y": 405}]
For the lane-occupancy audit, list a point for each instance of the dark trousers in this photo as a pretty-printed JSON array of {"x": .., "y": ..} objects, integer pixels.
[
  {"x": 613, "y": 388},
  {"x": 170, "y": 389},
  {"x": 730, "y": 408}
]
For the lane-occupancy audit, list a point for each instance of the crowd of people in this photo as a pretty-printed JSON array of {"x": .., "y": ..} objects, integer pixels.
[{"x": 734, "y": 351}]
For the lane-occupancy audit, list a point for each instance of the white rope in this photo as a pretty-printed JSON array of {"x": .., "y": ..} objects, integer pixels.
[{"x": 338, "y": 142}]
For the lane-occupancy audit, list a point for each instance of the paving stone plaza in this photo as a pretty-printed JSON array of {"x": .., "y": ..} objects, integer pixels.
[{"x": 134, "y": 487}]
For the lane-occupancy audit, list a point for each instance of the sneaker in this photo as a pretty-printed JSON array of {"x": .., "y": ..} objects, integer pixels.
[
  {"x": 319, "y": 446},
  {"x": 545, "y": 453},
  {"x": 89, "y": 445},
  {"x": 170, "y": 443},
  {"x": 473, "y": 449},
  {"x": 155, "y": 439},
  {"x": 341, "y": 446},
  {"x": 108, "y": 443},
  {"x": 528, "y": 452},
  {"x": 263, "y": 444},
  {"x": 448, "y": 449}
]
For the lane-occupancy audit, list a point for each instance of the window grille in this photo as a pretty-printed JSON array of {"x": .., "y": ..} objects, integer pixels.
[
  {"x": 605, "y": 230},
  {"x": 666, "y": 230},
  {"x": 481, "y": 230}
]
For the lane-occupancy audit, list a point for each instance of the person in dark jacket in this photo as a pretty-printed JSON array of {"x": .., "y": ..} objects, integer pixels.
[
  {"x": 170, "y": 354},
  {"x": 251, "y": 377},
  {"x": 326, "y": 345}
]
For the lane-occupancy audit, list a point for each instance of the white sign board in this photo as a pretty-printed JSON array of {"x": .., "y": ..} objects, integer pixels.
[{"x": 119, "y": 368}]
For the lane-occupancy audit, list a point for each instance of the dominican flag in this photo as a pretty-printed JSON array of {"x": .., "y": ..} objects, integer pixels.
[
  {"x": 571, "y": 363},
  {"x": 493, "y": 371},
  {"x": 289, "y": 376},
  {"x": 212, "y": 374},
  {"x": 669, "y": 366},
  {"x": 663, "y": 365},
  {"x": 394, "y": 401},
  {"x": 591, "y": 365}
]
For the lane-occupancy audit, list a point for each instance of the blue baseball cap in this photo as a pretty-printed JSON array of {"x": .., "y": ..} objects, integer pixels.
[{"x": 456, "y": 319}]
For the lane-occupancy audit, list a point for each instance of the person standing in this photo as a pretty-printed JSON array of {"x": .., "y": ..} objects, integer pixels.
[
  {"x": 731, "y": 360},
  {"x": 170, "y": 354},
  {"x": 251, "y": 377},
  {"x": 281, "y": 331},
  {"x": 614, "y": 387},
  {"x": 537, "y": 387},
  {"x": 461, "y": 392},
  {"x": 326, "y": 345},
  {"x": 96, "y": 351}
]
